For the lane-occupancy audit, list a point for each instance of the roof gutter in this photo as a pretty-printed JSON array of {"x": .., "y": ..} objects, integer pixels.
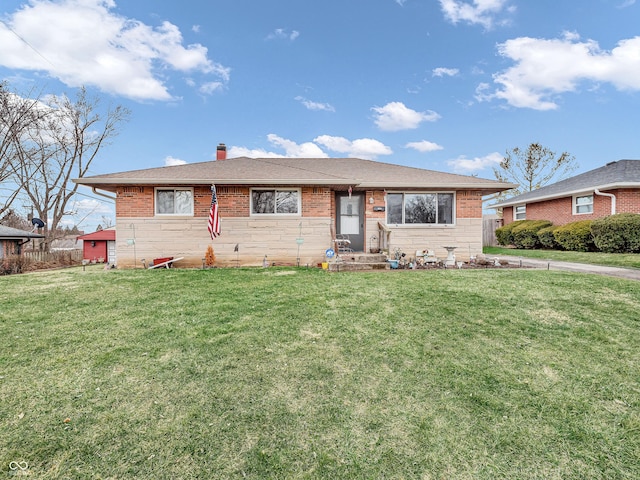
[
  {"x": 611, "y": 195},
  {"x": 95, "y": 190}
]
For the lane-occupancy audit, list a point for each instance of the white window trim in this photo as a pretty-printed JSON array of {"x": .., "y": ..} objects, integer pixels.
[
  {"x": 515, "y": 212},
  {"x": 423, "y": 225},
  {"x": 574, "y": 202},
  {"x": 155, "y": 202},
  {"x": 280, "y": 189}
]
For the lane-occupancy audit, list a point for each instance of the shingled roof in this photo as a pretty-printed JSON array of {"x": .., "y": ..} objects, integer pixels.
[
  {"x": 619, "y": 174},
  {"x": 336, "y": 172},
  {"x": 10, "y": 233}
]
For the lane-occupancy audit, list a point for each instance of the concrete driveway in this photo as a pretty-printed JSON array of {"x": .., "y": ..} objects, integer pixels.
[{"x": 629, "y": 273}]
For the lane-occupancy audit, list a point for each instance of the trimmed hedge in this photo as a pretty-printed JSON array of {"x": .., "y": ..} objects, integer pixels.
[
  {"x": 504, "y": 235},
  {"x": 575, "y": 236},
  {"x": 525, "y": 235},
  {"x": 547, "y": 239},
  {"x": 618, "y": 233}
]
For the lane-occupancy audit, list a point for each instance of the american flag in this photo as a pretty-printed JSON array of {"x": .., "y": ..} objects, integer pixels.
[{"x": 214, "y": 219}]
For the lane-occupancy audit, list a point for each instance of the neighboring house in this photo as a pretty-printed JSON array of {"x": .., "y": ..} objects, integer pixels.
[
  {"x": 99, "y": 246},
  {"x": 614, "y": 188},
  {"x": 68, "y": 243},
  {"x": 13, "y": 239},
  {"x": 289, "y": 210}
]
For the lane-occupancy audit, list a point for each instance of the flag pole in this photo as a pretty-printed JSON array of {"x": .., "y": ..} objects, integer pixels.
[{"x": 213, "y": 224}]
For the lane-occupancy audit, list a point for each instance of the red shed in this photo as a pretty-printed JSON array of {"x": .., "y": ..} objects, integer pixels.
[{"x": 100, "y": 246}]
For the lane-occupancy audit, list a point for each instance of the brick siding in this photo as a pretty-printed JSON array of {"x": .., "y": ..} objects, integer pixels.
[
  {"x": 468, "y": 204},
  {"x": 560, "y": 210}
]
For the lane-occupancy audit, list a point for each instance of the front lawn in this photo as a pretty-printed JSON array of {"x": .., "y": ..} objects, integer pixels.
[
  {"x": 301, "y": 373},
  {"x": 624, "y": 260}
]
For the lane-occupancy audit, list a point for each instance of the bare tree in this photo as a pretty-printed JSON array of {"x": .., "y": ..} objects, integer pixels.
[
  {"x": 17, "y": 116},
  {"x": 533, "y": 168},
  {"x": 60, "y": 147},
  {"x": 107, "y": 222},
  {"x": 12, "y": 219}
]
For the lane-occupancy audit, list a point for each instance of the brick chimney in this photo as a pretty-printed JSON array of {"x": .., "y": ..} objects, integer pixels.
[{"x": 221, "y": 152}]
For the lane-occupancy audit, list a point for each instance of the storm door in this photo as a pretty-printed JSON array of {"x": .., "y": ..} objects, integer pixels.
[{"x": 350, "y": 218}]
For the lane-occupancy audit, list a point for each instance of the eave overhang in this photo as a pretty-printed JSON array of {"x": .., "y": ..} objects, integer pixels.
[{"x": 542, "y": 198}]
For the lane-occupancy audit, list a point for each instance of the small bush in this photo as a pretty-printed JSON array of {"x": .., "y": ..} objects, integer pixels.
[
  {"x": 618, "y": 233},
  {"x": 575, "y": 236},
  {"x": 14, "y": 264},
  {"x": 547, "y": 239},
  {"x": 209, "y": 257},
  {"x": 525, "y": 235},
  {"x": 504, "y": 235}
]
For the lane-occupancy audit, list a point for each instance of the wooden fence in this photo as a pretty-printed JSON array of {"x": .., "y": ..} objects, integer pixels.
[
  {"x": 489, "y": 225},
  {"x": 66, "y": 257}
]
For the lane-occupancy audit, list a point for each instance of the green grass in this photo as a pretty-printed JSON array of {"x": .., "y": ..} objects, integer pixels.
[
  {"x": 296, "y": 373},
  {"x": 625, "y": 260}
]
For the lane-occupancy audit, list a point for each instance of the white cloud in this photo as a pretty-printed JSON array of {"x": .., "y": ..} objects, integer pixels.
[
  {"x": 627, "y": 3},
  {"x": 291, "y": 149},
  {"x": 91, "y": 205},
  {"x": 424, "y": 146},
  {"x": 546, "y": 68},
  {"x": 442, "y": 71},
  {"x": 171, "y": 161},
  {"x": 396, "y": 116},
  {"x": 235, "y": 152},
  {"x": 361, "y": 148},
  {"x": 466, "y": 165},
  {"x": 282, "y": 34},
  {"x": 310, "y": 105},
  {"x": 84, "y": 42},
  {"x": 481, "y": 12},
  {"x": 88, "y": 213},
  {"x": 210, "y": 87}
]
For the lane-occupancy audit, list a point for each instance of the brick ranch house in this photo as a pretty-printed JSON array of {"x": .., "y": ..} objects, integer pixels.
[
  {"x": 290, "y": 209},
  {"x": 613, "y": 188}
]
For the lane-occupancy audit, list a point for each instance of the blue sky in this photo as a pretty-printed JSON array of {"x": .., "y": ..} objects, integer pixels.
[{"x": 447, "y": 85}]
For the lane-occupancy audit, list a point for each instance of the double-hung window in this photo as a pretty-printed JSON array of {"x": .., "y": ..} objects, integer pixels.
[
  {"x": 520, "y": 212},
  {"x": 174, "y": 201},
  {"x": 582, "y": 204},
  {"x": 275, "y": 202},
  {"x": 420, "y": 208}
]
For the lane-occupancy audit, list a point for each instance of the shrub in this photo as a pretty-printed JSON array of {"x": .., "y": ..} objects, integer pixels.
[
  {"x": 503, "y": 234},
  {"x": 14, "y": 264},
  {"x": 575, "y": 236},
  {"x": 525, "y": 235},
  {"x": 209, "y": 257},
  {"x": 618, "y": 233},
  {"x": 547, "y": 240}
]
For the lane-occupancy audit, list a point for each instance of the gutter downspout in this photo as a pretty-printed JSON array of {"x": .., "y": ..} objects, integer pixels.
[
  {"x": 613, "y": 199},
  {"x": 93, "y": 189}
]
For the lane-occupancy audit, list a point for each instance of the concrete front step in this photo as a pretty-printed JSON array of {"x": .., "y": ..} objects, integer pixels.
[
  {"x": 352, "y": 266},
  {"x": 362, "y": 257},
  {"x": 359, "y": 261}
]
